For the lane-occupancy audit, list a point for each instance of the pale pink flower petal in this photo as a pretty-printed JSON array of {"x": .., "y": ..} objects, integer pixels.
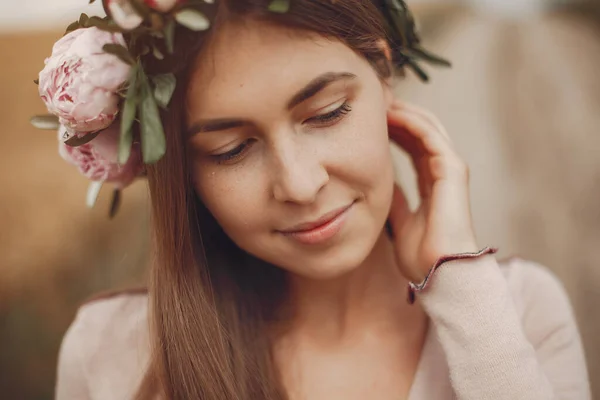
[
  {"x": 161, "y": 5},
  {"x": 80, "y": 81},
  {"x": 97, "y": 159},
  {"x": 124, "y": 14}
]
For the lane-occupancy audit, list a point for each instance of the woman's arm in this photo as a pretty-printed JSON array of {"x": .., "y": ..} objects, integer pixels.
[
  {"x": 490, "y": 352},
  {"x": 496, "y": 351},
  {"x": 71, "y": 382}
]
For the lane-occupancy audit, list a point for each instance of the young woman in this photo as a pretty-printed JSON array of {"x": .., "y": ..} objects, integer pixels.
[{"x": 284, "y": 249}]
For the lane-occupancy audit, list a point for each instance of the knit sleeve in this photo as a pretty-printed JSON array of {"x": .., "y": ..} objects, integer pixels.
[
  {"x": 506, "y": 335},
  {"x": 71, "y": 382}
]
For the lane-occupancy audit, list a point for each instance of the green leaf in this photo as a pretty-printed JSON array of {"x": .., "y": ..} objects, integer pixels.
[
  {"x": 36, "y": 81},
  {"x": 429, "y": 57},
  {"x": 103, "y": 25},
  {"x": 95, "y": 21},
  {"x": 192, "y": 19},
  {"x": 83, "y": 19},
  {"x": 157, "y": 34},
  {"x": 92, "y": 193},
  {"x": 152, "y": 132},
  {"x": 170, "y": 36},
  {"x": 47, "y": 122},
  {"x": 73, "y": 27},
  {"x": 115, "y": 203},
  {"x": 77, "y": 141},
  {"x": 119, "y": 51},
  {"x": 92, "y": 1},
  {"x": 164, "y": 86},
  {"x": 157, "y": 53},
  {"x": 417, "y": 70},
  {"x": 279, "y": 6},
  {"x": 128, "y": 116}
]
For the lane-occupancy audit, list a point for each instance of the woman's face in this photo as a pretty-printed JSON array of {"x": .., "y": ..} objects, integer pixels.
[{"x": 291, "y": 154}]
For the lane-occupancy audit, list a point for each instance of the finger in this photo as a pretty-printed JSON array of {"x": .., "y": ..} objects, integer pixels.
[
  {"x": 425, "y": 178},
  {"x": 427, "y": 116},
  {"x": 418, "y": 157},
  {"x": 399, "y": 105},
  {"x": 432, "y": 155},
  {"x": 399, "y": 210},
  {"x": 411, "y": 146},
  {"x": 420, "y": 133}
]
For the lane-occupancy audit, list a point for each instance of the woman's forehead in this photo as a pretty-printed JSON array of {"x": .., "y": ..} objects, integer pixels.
[{"x": 246, "y": 62}]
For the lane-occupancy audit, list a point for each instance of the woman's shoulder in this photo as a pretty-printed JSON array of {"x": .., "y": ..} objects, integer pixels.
[
  {"x": 107, "y": 342},
  {"x": 117, "y": 316},
  {"x": 114, "y": 304},
  {"x": 113, "y": 324}
]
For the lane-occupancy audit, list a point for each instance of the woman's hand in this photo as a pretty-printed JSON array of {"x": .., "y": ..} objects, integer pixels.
[{"x": 441, "y": 225}]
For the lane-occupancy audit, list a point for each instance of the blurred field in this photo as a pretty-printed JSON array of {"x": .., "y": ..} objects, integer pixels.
[
  {"x": 54, "y": 252},
  {"x": 522, "y": 104}
]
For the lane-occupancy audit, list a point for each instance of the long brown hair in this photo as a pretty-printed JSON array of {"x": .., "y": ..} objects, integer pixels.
[{"x": 210, "y": 302}]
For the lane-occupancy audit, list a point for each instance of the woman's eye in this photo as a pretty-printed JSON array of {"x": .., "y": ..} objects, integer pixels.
[
  {"x": 233, "y": 154},
  {"x": 332, "y": 116}
]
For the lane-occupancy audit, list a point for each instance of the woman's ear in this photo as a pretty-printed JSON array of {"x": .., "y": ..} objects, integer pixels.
[
  {"x": 385, "y": 48},
  {"x": 388, "y": 94},
  {"x": 387, "y": 83}
]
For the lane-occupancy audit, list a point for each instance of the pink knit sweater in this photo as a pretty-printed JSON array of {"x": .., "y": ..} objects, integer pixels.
[{"x": 500, "y": 332}]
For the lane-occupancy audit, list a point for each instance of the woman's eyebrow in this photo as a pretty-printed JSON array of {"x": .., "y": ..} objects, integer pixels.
[
  {"x": 309, "y": 90},
  {"x": 316, "y": 85}
]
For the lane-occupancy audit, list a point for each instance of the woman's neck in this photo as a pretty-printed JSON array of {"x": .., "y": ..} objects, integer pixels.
[{"x": 371, "y": 298}]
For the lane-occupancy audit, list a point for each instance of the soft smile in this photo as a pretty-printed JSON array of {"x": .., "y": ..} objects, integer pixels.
[{"x": 321, "y": 229}]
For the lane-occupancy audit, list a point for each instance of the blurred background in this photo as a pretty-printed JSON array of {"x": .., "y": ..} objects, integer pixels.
[{"x": 522, "y": 103}]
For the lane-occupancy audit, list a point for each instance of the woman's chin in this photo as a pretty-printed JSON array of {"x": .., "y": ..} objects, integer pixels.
[
  {"x": 324, "y": 273},
  {"x": 345, "y": 259}
]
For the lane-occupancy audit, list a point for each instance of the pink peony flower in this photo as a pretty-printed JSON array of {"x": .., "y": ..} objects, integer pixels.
[
  {"x": 80, "y": 81},
  {"x": 162, "y": 5},
  {"x": 127, "y": 18},
  {"x": 123, "y": 13},
  {"x": 97, "y": 159}
]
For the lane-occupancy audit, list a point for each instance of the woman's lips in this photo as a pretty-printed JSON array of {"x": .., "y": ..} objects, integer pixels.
[{"x": 320, "y": 230}]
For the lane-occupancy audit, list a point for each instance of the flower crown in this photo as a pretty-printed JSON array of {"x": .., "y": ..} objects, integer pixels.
[{"x": 105, "y": 107}]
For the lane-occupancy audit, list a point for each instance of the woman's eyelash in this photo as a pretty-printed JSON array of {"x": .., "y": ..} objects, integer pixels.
[
  {"x": 240, "y": 150},
  {"x": 333, "y": 115},
  {"x": 233, "y": 154}
]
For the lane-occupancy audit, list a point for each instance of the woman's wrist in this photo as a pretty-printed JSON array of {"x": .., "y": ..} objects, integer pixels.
[
  {"x": 420, "y": 285},
  {"x": 430, "y": 258}
]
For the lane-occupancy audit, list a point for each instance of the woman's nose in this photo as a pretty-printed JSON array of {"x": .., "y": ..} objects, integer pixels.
[{"x": 298, "y": 174}]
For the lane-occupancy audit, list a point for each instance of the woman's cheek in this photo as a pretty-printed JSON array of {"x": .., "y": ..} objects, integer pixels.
[
  {"x": 365, "y": 145},
  {"x": 233, "y": 196}
]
